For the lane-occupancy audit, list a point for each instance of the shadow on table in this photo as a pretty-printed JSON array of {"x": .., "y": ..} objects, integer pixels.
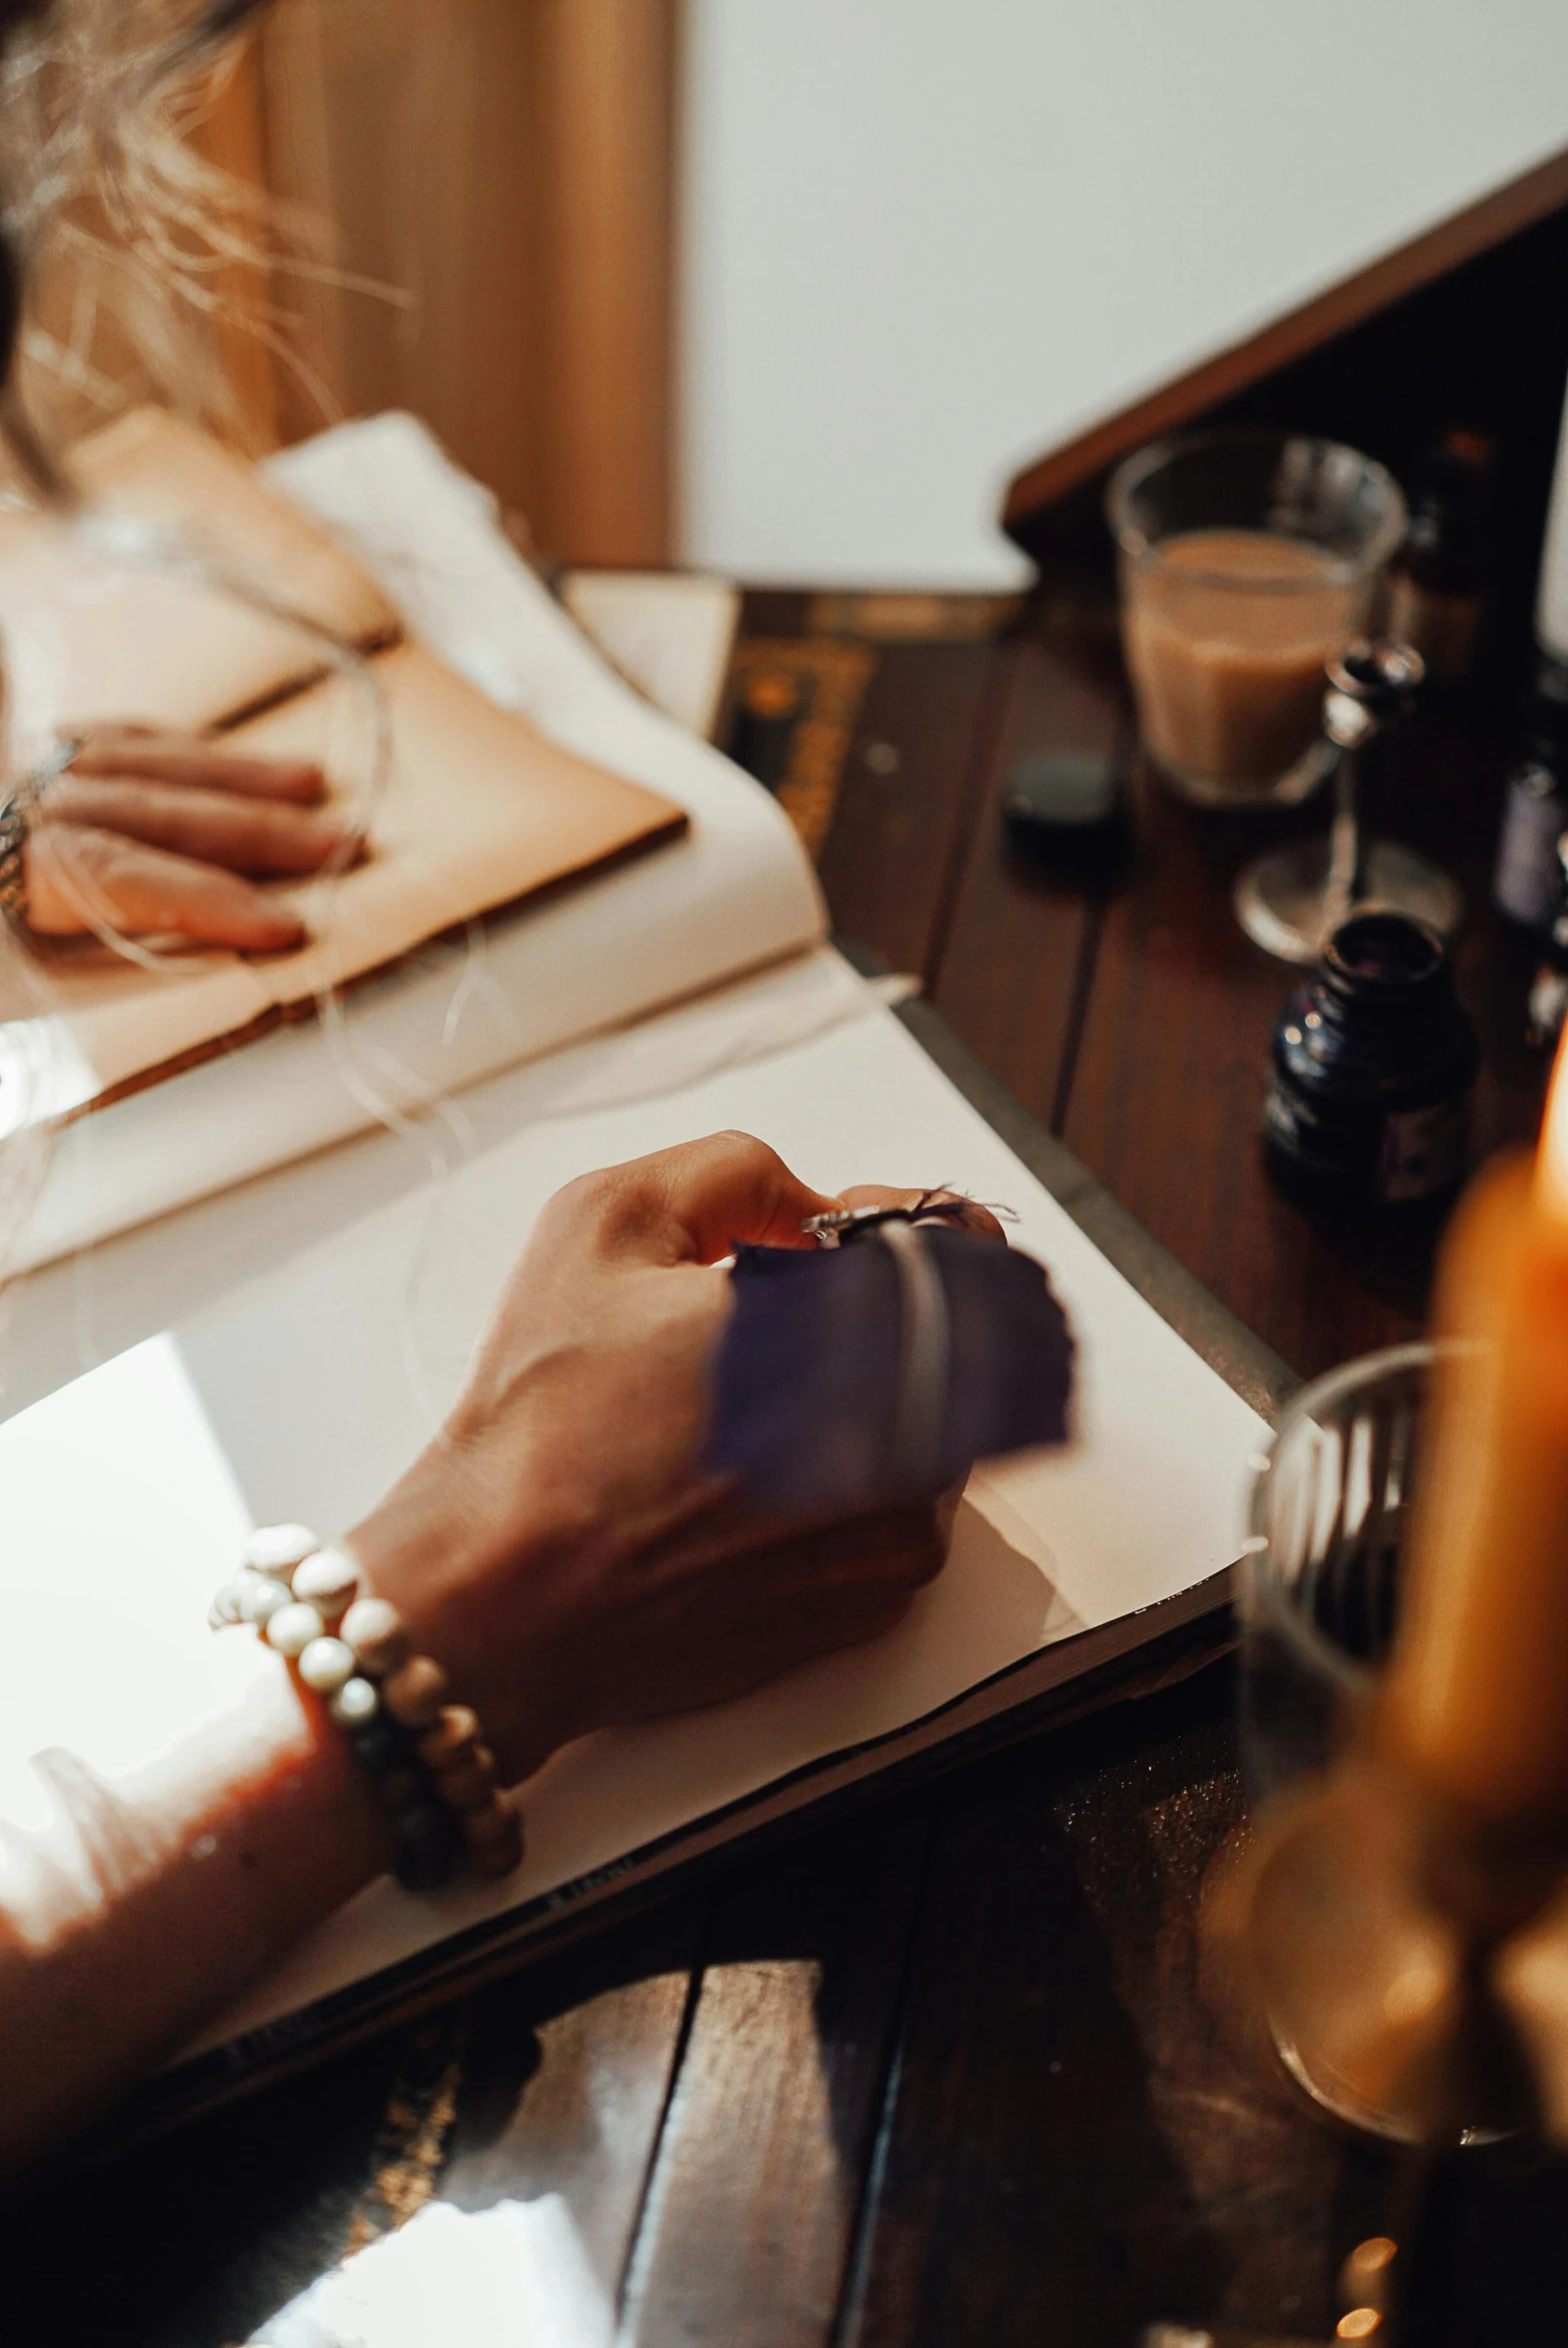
[{"x": 942, "y": 2072}]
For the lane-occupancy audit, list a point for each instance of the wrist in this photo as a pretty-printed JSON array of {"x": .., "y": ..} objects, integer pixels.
[{"x": 473, "y": 1584}]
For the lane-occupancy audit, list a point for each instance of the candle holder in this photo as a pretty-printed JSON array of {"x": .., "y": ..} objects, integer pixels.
[{"x": 1363, "y": 1917}]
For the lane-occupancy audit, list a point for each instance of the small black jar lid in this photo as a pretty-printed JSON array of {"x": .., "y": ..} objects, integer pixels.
[{"x": 1385, "y": 958}]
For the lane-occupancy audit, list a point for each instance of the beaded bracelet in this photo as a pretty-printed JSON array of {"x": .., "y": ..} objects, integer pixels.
[{"x": 434, "y": 1775}]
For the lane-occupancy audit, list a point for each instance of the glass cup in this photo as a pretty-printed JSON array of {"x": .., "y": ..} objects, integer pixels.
[
  {"x": 1319, "y": 1581},
  {"x": 1248, "y": 561},
  {"x": 1366, "y": 1990}
]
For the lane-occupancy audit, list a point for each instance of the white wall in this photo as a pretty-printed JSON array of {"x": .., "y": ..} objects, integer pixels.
[{"x": 925, "y": 239}]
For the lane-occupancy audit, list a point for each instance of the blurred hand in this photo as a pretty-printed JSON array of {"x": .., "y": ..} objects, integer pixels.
[
  {"x": 160, "y": 833},
  {"x": 561, "y": 1546}
]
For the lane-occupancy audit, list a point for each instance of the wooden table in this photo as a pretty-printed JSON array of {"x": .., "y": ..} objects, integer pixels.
[{"x": 947, "y": 2071}]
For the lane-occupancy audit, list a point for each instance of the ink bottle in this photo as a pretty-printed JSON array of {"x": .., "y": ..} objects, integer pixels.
[{"x": 1374, "y": 1062}]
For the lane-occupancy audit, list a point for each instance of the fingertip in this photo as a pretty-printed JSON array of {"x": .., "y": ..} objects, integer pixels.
[
  {"x": 326, "y": 845},
  {"x": 946, "y": 1206},
  {"x": 274, "y": 933},
  {"x": 304, "y": 780},
  {"x": 311, "y": 846}
]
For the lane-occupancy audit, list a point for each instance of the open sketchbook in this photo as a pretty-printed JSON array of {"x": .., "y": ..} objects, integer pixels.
[
  {"x": 282, "y": 1351},
  {"x": 525, "y": 782},
  {"x": 476, "y": 811},
  {"x": 111, "y": 618},
  {"x": 160, "y": 603},
  {"x": 670, "y": 632}
]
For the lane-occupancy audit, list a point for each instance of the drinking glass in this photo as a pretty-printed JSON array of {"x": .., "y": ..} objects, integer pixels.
[
  {"x": 1247, "y": 560},
  {"x": 1318, "y": 1585},
  {"x": 1343, "y": 1945}
]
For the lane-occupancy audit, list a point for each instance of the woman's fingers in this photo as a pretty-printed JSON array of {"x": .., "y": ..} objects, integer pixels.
[
  {"x": 244, "y": 834},
  {"x": 79, "y": 877},
  {"x": 196, "y": 762},
  {"x": 693, "y": 1205},
  {"x": 971, "y": 1215},
  {"x": 729, "y": 1190}
]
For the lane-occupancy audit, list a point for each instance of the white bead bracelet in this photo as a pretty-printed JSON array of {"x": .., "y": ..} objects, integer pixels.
[{"x": 434, "y": 1774}]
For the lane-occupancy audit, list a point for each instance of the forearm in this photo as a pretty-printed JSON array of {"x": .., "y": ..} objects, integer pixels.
[
  {"x": 150, "y": 1904},
  {"x": 561, "y": 1551}
]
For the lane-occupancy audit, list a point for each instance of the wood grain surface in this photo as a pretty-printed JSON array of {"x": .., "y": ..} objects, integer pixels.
[
  {"x": 953, "y": 2069},
  {"x": 1134, "y": 1018},
  {"x": 903, "y": 818},
  {"x": 783, "y": 2078}
]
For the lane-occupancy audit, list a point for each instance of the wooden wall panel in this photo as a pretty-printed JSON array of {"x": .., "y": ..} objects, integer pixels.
[
  {"x": 502, "y": 169},
  {"x": 234, "y": 137},
  {"x": 605, "y": 86}
]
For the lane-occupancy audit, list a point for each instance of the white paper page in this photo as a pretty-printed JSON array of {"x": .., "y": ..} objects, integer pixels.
[
  {"x": 310, "y": 1386},
  {"x": 670, "y": 632}
]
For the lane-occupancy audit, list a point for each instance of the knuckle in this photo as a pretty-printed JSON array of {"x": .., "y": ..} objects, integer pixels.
[
  {"x": 740, "y": 1149},
  {"x": 583, "y": 1200},
  {"x": 602, "y": 1207}
]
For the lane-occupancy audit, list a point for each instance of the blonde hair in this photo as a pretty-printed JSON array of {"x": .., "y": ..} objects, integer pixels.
[
  {"x": 124, "y": 244},
  {"x": 120, "y": 244}
]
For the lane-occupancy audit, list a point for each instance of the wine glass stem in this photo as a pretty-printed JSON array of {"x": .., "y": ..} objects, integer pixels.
[{"x": 1342, "y": 888}]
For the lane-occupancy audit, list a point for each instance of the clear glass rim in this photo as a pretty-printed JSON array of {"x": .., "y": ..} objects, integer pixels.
[
  {"x": 1141, "y": 548},
  {"x": 1324, "y": 1394}
]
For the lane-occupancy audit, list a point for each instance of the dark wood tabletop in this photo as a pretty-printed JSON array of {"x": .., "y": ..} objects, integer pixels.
[{"x": 950, "y": 2069}]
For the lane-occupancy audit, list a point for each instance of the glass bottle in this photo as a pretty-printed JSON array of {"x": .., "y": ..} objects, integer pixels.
[{"x": 1374, "y": 1062}]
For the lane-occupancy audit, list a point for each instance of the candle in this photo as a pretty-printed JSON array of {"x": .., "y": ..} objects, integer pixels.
[{"x": 1476, "y": 1701}]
